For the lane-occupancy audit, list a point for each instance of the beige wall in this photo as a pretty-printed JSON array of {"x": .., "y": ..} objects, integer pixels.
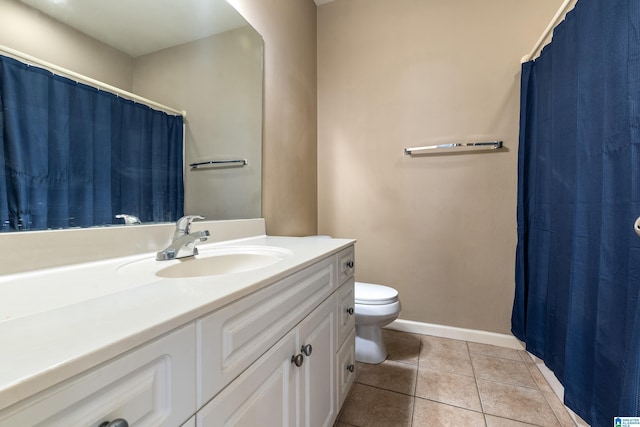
[
  {"x": 218, "y": 81},
  {"x": 24, "y": 29},
  {"x": 403, "y": 73},
  {"x": 288, "y": 28}
]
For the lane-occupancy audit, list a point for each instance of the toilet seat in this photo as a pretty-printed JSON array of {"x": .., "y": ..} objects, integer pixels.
[{"x": 370, "y": 294}]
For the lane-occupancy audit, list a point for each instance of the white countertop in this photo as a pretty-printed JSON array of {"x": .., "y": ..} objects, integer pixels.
[{"x": 59, "y": 322}]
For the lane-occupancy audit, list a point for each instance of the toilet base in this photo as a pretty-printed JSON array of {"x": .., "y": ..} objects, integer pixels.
[{"x": 370, "y": 346}]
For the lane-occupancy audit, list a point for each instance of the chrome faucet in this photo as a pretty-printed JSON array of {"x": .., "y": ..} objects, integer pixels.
[{"x": 184, "y": 242}]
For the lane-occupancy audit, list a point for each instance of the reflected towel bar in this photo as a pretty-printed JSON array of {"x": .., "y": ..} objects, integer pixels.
[
  {"x": 241, "y": 162},
  {"x": 455, "y": 147}
]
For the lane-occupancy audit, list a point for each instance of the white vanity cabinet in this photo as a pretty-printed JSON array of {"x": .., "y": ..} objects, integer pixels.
[
  {"x": 279, "y": 353},
  {"x": 153, "y": 385},
  {"x": 295, "y": 381}
]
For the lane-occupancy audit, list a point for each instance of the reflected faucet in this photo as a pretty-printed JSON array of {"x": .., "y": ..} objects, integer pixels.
[
  {"x": 129, "y": 219},
  {"x": 184, "y": 242}
]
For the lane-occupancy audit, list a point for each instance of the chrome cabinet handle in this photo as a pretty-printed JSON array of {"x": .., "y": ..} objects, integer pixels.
[
  {"x": 351, "y": 368},
  {"x": 297, "y": 360},
  {"x": 350, "y": 264},
  {"x": 119, "y": 422},
  {"x": 350, "y": 311},
  {"x": 307, "y": 349}
]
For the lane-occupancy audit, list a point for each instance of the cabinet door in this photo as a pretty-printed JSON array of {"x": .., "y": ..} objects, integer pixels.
[
  {"x": 263, "y": 395},
  {"x": 316, "y": 397}
]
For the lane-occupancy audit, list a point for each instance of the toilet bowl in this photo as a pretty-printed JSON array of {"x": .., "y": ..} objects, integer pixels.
[{"x": 375, "y": 306}]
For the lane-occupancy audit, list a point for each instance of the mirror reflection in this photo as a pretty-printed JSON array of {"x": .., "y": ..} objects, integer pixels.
[{"x": 199, "y": 56}]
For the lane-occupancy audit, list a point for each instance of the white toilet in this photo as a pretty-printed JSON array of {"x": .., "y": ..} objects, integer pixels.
[{"x": 375, "y": 306}]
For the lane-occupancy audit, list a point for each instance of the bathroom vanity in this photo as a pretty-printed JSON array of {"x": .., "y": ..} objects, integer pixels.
[{"x": 266, "y": 339}]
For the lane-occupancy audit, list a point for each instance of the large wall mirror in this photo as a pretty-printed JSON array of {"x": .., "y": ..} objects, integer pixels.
[{"x": 199, "y": 56}]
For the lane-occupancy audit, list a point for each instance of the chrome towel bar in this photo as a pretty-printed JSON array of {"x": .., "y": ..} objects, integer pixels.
[
  {"x": 455, "y": 147},
  {"x": 240, "y": 162}
]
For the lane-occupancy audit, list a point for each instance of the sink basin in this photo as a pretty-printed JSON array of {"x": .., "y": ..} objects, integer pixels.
[
  {"x": 210, "y": 262},
  {"x": 219, "y": 263}
]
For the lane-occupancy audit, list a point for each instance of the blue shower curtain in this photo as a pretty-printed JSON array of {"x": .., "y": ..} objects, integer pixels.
[
  {"x": 75, "y": 156},
  {"x": 577, "y": 302}
]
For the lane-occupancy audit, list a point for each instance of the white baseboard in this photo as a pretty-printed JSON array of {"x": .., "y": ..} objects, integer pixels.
[{"x": 473, "y": 335}]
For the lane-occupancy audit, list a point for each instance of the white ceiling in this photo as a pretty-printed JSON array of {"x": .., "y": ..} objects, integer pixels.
[{"x": 142, "y": 26}]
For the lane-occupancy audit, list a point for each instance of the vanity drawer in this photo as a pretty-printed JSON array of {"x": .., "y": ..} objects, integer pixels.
[
  {"x": 346, "y": 264},
  {"x": 346, "y": 366},
  {"x": 232, "y": 338},
  {"x": 151, "y": 386},
  {"x": 346, "y": 317}
]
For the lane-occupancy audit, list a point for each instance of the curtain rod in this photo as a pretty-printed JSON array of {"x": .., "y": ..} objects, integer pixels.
[
  {"x": 93, "y": 82},
  {"x": 547, "y": 31}
]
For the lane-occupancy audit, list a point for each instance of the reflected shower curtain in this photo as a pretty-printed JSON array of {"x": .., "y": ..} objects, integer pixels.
[
  {"x": 75, "y": 156},
  {"x": 577, "y": 302}
]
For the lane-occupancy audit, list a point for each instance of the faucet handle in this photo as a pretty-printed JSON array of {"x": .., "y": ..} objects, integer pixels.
[{"x": 183, "y": 224}]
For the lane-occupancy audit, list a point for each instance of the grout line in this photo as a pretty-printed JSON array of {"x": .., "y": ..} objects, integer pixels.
[
  {"x": 475, "y": 380},
  {"x": 386, "y": 389},
  {"x": 451, "y": 405},
  {"x": 415, "y": 383},
  {"x": 544, "y": 395},
  {"x": 530, "y": 367}
]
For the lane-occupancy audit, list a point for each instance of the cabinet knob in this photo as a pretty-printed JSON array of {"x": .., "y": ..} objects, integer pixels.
[
  {"x": 119, "y": 422},
  {"x": 350, "y": 311},
  {"x": 306, "y": 349},
  {"x": 351, "y": 368},
  {"x": 350, "y": 264},
  {"x": 297, "y": 360}
]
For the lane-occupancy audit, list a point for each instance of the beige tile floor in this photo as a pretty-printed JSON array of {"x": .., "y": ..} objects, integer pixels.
[{"x": 431, "y": 381}]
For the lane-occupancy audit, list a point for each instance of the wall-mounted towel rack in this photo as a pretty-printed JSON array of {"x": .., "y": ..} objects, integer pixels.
[
  {"x": 452, "y": 148},
  {"x": 88, "y": 80},
  {"x": 213, "y": 163}
]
